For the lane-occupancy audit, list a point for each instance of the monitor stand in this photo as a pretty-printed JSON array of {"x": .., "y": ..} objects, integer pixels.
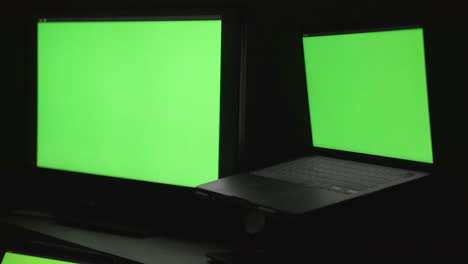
[
  {"x": 100, "y": 216},
  {"x": 103, "y": 224},
  {"x": 89, "y": 217}
]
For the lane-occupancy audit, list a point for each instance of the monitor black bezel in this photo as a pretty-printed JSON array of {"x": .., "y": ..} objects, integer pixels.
[
  {"x": 334, "y": 29},
  {"x": 230, "y": 126}
]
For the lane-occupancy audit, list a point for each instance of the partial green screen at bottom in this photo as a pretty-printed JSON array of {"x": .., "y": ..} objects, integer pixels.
[{"x": 14, "y": 258}]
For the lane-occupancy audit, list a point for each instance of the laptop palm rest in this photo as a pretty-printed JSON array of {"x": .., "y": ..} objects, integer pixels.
[{"x": 273, "y": 194}]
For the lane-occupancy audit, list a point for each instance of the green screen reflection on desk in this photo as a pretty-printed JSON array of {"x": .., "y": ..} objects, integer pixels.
[{"x": 14, "y": 258}]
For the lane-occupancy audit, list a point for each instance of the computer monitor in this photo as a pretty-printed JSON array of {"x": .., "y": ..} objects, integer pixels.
[
  {"x": 133, "y": 106},
  {"x": 137, "y": 99}
]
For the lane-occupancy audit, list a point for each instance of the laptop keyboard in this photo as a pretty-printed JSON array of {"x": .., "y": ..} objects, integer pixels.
[{"x": 338, "y": 175}]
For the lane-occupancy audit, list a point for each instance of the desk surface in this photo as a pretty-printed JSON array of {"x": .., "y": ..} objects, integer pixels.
[
  {"x": 146, "y": 250},
  {"x": 432, "y": 223}
]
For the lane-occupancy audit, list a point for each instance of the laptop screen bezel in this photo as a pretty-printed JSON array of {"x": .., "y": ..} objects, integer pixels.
[{"x": 321, "y": 30}]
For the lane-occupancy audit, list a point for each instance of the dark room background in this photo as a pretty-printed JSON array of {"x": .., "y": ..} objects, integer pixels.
[
  {"x": 275, "y": 79},
  {"x": 275, "y": 85}
]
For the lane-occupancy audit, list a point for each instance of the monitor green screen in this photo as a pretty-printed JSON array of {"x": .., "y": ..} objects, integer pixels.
[
  {"x": 368, "y": 93},
  {"x": 138, "y": 100},
  {"x": 14, "y": 258}
]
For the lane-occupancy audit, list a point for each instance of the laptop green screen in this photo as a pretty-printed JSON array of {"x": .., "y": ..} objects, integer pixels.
[
  {"x": 14, "y": 258},
  {"x": 138, "y": 100},
  {"x": 367, "y": 93}
]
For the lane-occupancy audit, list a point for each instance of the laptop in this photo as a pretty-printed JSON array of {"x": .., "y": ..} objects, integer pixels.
[{"x": 369, "y": 124}]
